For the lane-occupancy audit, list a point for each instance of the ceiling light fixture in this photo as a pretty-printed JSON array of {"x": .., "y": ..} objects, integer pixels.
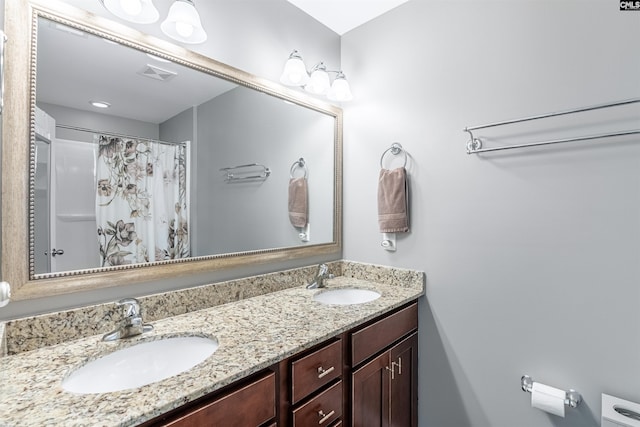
[
  {"x": 100, "y": 104},
  {"x": 183, "y": 23},
  {"x": 138, "y": 11},
  {"x": 316, "y": 81}
]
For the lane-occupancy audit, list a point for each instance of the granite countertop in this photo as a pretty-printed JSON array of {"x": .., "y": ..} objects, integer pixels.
[{"x": 253, "y": 334}]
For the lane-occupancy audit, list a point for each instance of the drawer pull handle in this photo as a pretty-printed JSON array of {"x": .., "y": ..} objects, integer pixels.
[
  {"x": 399, "y": 365},
  {"x": 324, "y": 372},
  {"x": 324, "y": 417},
  {"x": 392, "y": 370}
]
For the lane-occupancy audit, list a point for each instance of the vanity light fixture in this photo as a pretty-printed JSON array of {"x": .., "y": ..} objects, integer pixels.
[
  {"x": 295, "y": 72},
  {"x": 317, "y": 81},
  {"x": 138, "y": 11},
  {"x": 340, "y": 90},
  {"x": 183, "y": 23}
]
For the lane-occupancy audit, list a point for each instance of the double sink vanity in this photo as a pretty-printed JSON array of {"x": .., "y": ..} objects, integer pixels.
[
  {"x": 287, "y": 357},
  {"x": 257, "y": 351}
]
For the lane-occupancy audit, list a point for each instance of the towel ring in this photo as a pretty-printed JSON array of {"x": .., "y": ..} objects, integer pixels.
[
  {"x": 300, "y": 164},
  {"x": 395, "y": 149}
]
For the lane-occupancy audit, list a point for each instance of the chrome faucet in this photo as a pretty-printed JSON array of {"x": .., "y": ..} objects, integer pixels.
[
  {"x": 323, "y": 273},
  {"x": 132, "y": 324}
]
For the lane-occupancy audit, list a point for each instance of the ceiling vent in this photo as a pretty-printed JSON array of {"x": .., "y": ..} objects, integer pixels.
[{"x": 157, "y": 73}]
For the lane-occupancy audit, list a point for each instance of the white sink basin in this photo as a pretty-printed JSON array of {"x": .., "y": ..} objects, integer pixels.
[
  {"x": 346, "y": 296},
  {"x": 140, "y": 364}
]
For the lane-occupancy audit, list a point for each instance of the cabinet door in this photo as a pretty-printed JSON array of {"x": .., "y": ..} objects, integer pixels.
[
  {"x": 404, "y": 383},
  {"x": 370, "y": 396},
  {"x": 385, "y": 390}
]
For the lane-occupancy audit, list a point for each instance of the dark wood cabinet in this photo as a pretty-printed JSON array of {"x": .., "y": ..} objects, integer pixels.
[
  {"x": 384, "y": 356},
  {"x": 366, "y": 377},
  {"x": 404, "y": 383},
  {"x": 311, "y": 372},
  {"x": 369, "y": 397},
  {"x": 381, "y": 333},
  {"x": 385, "y": 388},
  {"x": 311, "y": 387},
  {"x": 249, "y": 404},
  {"x": 321, "y": 410}
]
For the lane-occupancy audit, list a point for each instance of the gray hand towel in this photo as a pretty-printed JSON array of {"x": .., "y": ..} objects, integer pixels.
[
  {"x": 393, "y": 201},
  {"x": 298, "y": 203}
]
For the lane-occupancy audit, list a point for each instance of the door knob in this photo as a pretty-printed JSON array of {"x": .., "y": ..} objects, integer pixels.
[{"x": 55, "y": 252}]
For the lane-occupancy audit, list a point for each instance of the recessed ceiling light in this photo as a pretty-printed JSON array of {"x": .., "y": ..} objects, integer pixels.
[{"x": 100, "y": 104}]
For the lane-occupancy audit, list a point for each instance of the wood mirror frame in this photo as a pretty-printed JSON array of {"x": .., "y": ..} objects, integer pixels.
[{"x": 18, "y": 134}]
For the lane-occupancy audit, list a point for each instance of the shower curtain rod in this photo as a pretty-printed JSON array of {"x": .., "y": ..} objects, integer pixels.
[{"x": 119, "y": 135}]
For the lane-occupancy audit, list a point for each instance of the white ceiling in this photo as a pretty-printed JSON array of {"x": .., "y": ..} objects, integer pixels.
[
  {"x": 75, "y": 67},
  {"x": 344, "y": 15}
]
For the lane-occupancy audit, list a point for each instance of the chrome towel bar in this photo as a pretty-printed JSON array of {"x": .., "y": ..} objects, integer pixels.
[
  {"x": 474, "y": 145},
  {"x": 251, "y": 171}
]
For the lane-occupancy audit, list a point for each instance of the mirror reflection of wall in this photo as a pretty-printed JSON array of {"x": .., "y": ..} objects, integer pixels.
[{"x": 243, "y": 126}]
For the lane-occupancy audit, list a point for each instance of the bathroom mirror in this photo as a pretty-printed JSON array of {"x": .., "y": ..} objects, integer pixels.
[{"x": 59, "y": 232}]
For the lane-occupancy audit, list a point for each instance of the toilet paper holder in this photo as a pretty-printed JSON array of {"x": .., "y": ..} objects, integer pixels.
[{"x": 572, "y": 397}]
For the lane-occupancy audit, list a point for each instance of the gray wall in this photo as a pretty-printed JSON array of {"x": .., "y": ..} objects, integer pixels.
[
  {"x": 531, "y": 257},
  {"x": 256, "y": 36},
  {"x": 100, "y": 122},
  {"x": 243, "y": 127}
]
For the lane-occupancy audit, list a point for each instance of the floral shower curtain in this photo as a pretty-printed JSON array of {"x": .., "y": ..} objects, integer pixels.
[{"x": 141, "y": 201}]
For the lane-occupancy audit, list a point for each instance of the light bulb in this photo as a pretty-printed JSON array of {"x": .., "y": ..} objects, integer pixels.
[
  {"x": 131, "y": 7},
  {"x": 340, "y": 90},
  {"x": 184, "y": 29},
  {"x": 295, "y": 78},
  {"x": 319, "y": 80},
  {"x": 138, "y": 11},
  {"x": 183, "y": 23},
  {"x": 295, "y": 72}
]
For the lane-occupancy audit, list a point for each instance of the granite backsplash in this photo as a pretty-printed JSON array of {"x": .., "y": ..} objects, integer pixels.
[{"x": 30, "y": 333}]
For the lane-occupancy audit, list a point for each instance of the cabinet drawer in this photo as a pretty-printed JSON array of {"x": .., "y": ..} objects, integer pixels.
[
  {"x": 376, "y": 337},
  {"x": 314, "y": 370},
  {"x": 322, "y": 410},
  {"x": 250, "y": 405}
]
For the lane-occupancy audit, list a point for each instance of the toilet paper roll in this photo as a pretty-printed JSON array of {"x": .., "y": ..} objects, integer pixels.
[{"x": 548, "y": 399}]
